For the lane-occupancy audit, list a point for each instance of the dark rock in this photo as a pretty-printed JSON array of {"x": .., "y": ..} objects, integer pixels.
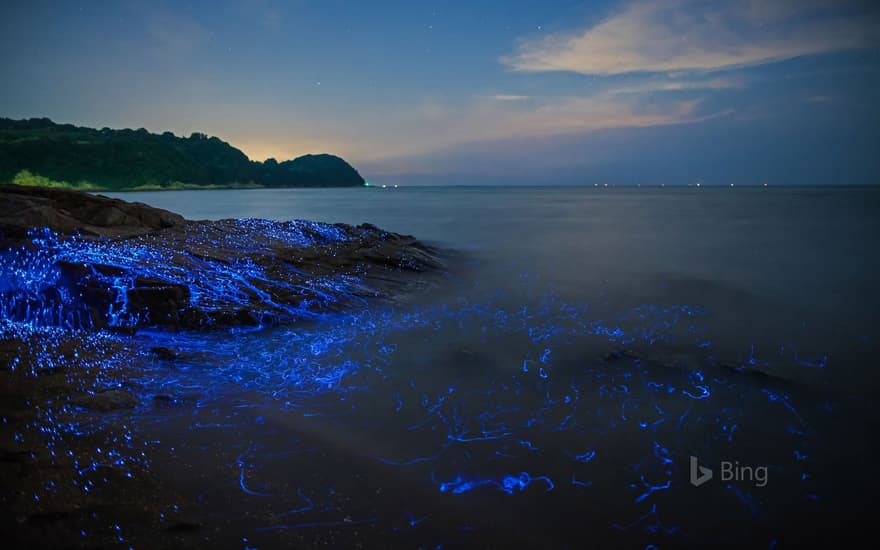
[
  {"x": 49, "y": 516},
  {"x": 108, "y": 400},
  {"x": 157, "y": 301},
  {"x": 183, "y": 527},
  {"x": 46, "y": 371},
  {"x": 747, "y": 370},
  {"x": 620, "y": 355},
  {"x": 676, "y": 360},
  {"x": 163, "y": 400},
  {"x": 65, "y": 211},
  {"x": 165, "y": 353},
  {"x": 15, "y": 456}
]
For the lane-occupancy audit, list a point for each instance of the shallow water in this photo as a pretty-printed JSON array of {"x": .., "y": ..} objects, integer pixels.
[{"x": 553, "y": 387}]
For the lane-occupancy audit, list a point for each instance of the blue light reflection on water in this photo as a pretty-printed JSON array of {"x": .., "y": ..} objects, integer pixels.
[
  {"x": 290, "y": 421},
  {"x": 364, "y": 382},
  {"x": 504, "y": 430}
]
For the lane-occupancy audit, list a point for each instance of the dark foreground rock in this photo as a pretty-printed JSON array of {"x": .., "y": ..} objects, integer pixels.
[
  {"x": 66, "y": 212},
  {"x": 84, "y": 261}
]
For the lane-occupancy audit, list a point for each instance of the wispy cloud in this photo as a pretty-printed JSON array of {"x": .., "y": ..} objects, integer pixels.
[
  {"x": 674, "y": 48},
  {"x": 437, "y": 124},
  {"x": 700, "y": 35},
  {"x": 434, "y": 126},
  {"x": 674, "y": 85},
  {"x": 507, "y": 97}
]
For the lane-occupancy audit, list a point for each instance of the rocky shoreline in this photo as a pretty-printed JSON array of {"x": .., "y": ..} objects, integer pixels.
[
  {"x": 79, "y": 275},
  {"x": 87, "y": 261}
]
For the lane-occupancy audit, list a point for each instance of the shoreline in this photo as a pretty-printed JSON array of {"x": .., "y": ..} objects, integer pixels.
[{"x": 76, "y": 294}]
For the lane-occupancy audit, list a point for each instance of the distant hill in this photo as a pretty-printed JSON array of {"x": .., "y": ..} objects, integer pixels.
[{"x": 40, "y": 152}]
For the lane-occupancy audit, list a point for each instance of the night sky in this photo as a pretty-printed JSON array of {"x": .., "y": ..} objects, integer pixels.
[{"x": 490, "y": 92}]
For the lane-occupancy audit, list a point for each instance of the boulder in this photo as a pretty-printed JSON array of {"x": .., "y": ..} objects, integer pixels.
[{"x": 66, "y": 211}]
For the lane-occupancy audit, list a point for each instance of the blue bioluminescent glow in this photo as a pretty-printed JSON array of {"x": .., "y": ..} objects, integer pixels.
[
  {"x": 548, "y": 414},
  {"x": 75, "y": 282}
]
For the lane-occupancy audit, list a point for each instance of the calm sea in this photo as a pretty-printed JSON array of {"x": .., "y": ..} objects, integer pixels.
[{"x": 554, "y": 387}]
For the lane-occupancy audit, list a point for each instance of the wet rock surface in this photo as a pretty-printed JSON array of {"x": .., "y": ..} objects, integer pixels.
[{"x": 86, "y": 261}]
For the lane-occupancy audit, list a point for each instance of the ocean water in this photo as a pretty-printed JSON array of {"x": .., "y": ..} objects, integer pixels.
[{"x": 556, "y": 387}]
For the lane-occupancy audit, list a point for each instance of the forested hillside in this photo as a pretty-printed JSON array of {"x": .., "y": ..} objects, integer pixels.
[{"x": 40, "y": 152}]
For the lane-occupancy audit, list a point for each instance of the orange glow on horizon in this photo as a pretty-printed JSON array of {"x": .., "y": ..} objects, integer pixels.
[{"x": 282, "y": 150}]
